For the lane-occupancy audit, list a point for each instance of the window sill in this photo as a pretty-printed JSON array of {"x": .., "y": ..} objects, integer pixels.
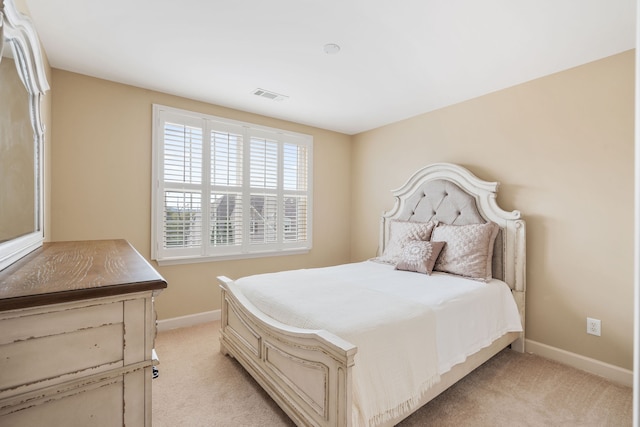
[{"x": 229, "y": 257}]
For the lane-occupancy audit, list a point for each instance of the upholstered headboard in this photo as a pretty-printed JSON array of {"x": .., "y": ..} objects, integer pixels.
[{"x": 452, "y": 195}]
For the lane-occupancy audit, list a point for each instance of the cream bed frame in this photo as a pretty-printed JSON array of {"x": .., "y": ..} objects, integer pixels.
[{"x": 308, "y": 372}]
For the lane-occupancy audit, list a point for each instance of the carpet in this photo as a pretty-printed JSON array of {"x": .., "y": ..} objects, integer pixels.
[{"x": 199, "y": 387}]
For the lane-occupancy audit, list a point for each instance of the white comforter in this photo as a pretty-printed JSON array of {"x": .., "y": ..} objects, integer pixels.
[{"x": 409, "y": 328}]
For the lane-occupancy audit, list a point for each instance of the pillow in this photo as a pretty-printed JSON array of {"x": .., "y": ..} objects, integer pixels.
[
  {"x": 419, "y": 256},
  {"x": 400, "y": 233},
  {"x": 469, "y": 249}
]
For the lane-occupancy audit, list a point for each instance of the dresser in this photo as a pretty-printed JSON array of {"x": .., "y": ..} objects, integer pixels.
[{"x": 77, "y": 330}]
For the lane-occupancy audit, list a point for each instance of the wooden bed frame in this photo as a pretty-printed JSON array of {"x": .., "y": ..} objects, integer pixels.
[{"x": 308, "y": 372}]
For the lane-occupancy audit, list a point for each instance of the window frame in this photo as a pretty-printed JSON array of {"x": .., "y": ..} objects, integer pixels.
[{"x": 206, "y": 251}]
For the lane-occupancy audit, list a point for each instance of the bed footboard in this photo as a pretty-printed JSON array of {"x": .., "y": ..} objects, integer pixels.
[{"x": 307, "y": 372}]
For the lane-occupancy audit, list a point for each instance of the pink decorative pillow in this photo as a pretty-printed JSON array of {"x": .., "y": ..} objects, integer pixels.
[
  {"x": 400, "y": 233},
  {"x": 419, "y": 256},
  {"x": 469, "y": 249}
]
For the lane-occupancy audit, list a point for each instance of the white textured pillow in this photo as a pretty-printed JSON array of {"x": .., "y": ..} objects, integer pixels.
[
  {"x": 400, "y": 233},
  {"x": 468, "y": 251},
  {"x": 420, "y": 256}
]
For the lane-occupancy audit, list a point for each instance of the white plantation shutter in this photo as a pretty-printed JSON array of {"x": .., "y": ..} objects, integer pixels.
[
  {"x": 183, "y": 220},
  {"x": 226, "y": 226},
  {"x": 263, "y": 175},
  {"x": 227, "y": 189},
  {"x": 182, "y": 153},
  {"x": 295, "y": 188},
  {"x": 264, "y": 163},
  {"x": 182, "y": 176}
]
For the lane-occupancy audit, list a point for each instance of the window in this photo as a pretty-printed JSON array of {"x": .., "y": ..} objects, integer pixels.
[{"x": 225, "y": 189}]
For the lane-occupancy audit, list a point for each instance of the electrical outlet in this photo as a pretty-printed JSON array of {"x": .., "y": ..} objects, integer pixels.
[{"x": 593, "y": 326}]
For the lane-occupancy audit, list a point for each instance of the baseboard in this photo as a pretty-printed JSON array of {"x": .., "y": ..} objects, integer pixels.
[
  {"x": 611, "y": 372},
  {"x": 188, "y": 320}
]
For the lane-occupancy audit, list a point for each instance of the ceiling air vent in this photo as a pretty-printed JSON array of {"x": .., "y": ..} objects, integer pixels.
[{"x": 269, "y": 95}]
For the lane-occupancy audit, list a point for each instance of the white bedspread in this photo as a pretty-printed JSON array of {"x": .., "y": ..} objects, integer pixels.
[{"x": 409, "y": 328}]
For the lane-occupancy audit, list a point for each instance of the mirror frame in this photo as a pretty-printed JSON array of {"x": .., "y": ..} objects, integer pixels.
[{"x": 18, "y": 33}]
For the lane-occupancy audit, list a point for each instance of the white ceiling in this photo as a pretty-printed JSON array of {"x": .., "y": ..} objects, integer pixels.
[{"x": 398, "y": 58}]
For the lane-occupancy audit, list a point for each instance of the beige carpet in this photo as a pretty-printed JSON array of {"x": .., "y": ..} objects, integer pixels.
[{"x": 198, "y": 386}]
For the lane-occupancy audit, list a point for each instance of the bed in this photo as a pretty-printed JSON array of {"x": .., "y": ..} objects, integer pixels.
[{"x": 363, "y": 344}]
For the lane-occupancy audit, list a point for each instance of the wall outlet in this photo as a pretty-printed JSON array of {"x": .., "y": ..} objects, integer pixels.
[{"x": 593, "y": 326}]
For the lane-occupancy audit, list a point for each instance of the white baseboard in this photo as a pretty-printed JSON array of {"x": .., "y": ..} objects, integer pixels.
[
  {"x": 611, "y": 372},
  {"x": 188, "y": 320}
]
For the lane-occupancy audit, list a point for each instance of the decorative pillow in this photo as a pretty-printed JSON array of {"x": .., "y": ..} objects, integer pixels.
[
  {"x": 419, "y": 256},
  {"x": 400, "y": 233},
  {"x": 469, "y": 249}
]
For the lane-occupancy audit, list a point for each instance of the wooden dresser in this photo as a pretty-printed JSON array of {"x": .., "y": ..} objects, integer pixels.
[{"x": 77, "y": 330}]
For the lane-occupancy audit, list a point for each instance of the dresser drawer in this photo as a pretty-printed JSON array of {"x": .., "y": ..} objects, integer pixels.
[
  {"x": 57, "y": 319},
  {"x": 101, "y": 406},
  {"x": 39, "y": 349}
]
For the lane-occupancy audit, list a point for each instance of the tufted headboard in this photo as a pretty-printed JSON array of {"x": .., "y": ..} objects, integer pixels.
[{"x": 452, "y": 195}]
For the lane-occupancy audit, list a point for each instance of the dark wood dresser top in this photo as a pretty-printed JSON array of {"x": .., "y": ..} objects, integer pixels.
[{"x": 70, "y": 271}]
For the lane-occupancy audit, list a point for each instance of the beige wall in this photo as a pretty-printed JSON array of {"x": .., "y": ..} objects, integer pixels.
[
  {"x": 101, "y": 184},
  {"x": 562, "y": 147}
]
